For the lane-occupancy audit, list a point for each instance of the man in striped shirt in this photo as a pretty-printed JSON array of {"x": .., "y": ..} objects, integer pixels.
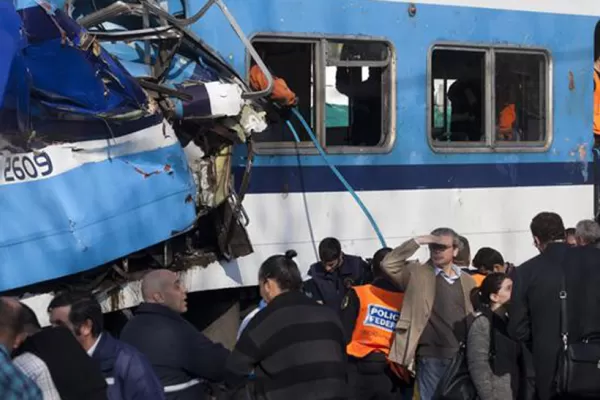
[
  {"x": 295, "y": 346},
  {"x": 14, "y": 384}
]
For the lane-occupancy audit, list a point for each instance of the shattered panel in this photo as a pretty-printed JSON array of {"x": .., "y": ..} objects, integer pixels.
[{"x": 93, "y": 127}]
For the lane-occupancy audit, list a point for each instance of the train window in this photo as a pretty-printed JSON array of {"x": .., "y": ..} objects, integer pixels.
[
  {"x": 458, "y": 96},
  {"x": 484, "y": 98},
  {"x": 343, "y": 87},
  {"x": 520, "y": 88},
  {"x": 300, "y": 77},
  {"x": 355, "y": 95}
]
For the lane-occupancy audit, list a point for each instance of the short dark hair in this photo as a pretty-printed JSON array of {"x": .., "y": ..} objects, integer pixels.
[
  {"x": 11, "y": 319},
  {"x": 84, "y": 306},
  {"x": 30, "y": 321},
  {"x": 547, "y": 226},
  {"x": 282, "y": 269},
  {"x": 330, "y": 249},
  {"x": 486, "y": 258},
  {"x": 569, "y": 232},
  {"x": 377, "y": 259}
]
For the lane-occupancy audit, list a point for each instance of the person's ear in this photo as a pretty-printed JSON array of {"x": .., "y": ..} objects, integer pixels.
[
  {"x": 19, "y": 340},
  {"x": 158, "y": 297},
  {"x": 86, "y": 328},
  {"x": 494, "y": 297},
  {"x": 455, "y": 252}
]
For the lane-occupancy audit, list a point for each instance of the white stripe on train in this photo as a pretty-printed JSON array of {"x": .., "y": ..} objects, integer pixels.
[{"x": 57, "y": 159}]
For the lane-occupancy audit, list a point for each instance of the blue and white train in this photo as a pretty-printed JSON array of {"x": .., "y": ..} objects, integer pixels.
[
  {"x": 410, "y": 102},
  {"x": 415, "y": 178}
]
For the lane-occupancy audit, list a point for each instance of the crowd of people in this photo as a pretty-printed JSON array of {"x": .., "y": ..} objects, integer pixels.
[{"x": 388, "y": 328}]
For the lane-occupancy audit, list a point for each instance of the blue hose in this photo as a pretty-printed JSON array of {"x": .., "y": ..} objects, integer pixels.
[{"x": 335, "y": 171}]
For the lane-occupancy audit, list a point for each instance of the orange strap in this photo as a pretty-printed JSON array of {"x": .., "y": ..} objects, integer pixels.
[{"x": 281, "y": 92}]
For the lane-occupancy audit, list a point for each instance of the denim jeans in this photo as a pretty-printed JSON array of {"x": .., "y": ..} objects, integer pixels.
[{"x": 429, "y": 373}]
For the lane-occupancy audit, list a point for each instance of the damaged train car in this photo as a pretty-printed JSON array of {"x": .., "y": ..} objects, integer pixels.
[{"x": 116, "y": 133}]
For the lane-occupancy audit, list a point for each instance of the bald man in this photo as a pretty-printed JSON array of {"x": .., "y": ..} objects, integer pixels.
[
  {"x": 183, "y": 358},
  {"x": 14, "y": 384}
]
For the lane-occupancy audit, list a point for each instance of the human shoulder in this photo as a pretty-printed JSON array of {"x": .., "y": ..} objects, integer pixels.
[
  {"x": 128, "y": 355},
  {"x": 467, "y": 279},
  {"x": 30, "y": 364},
  {"x": 419, "y": 270},
  {"x": 530, "y": 266},
  {"x": 480, "y": 322}
]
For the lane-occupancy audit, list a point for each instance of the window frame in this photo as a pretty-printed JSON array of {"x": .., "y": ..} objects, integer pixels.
[
  {"x": 319, "y": 65},
  {"x": 490, "y": 145}
]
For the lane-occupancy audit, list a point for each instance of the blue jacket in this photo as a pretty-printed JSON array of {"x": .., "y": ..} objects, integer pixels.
[
  {"x": 132, "y": 374},
  {"x": 331, "y": 287}
]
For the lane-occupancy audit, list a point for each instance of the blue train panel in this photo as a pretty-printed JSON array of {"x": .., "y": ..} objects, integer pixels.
[
  {"x": 89, "y": 169},
  {"x": 411, "y": 162}
]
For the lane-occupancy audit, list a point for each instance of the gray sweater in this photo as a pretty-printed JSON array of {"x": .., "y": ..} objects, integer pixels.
[{"x": 488, "y": 385}]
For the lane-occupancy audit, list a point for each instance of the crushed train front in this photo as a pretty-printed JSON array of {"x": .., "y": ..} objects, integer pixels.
[{"x": 116, "y": 130}]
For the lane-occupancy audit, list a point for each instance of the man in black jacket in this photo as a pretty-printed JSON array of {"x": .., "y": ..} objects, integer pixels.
[
  {"x": 335, "y": 274},
  {"x": 182, "y": 356},
  {"x": 74, "y": 375},
  {"x": 535, "y": 308}
]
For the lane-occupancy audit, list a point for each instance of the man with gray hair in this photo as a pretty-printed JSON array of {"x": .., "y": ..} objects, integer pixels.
[
  {"x": 433, "y": 320},
  {"x": 587, "y": 232}
]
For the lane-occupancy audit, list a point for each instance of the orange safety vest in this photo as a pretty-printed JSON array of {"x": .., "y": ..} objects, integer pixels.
[
  {"x": 478, "y": 279},
  {"x": 596, "y": 103},
  {"x": 374, "y": 330},
  {"x": 506, "y": 121}
]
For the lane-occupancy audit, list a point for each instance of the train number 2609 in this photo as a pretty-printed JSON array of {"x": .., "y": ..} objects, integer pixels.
[{"x": 21, "y": 167}]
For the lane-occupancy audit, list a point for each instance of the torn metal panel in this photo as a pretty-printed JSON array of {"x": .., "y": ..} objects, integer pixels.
[
  {"x": 72, "y": 196},
  {"x": 93, "y": 126},
  {"x": 65, "y": 211}
]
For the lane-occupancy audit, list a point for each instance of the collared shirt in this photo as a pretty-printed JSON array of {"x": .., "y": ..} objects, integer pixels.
[
  {"x": 249, "y": 317},
  {"x": 37, "y": 370},
  {"x": 448, "y": 278},
  {"x": 93, "y": 348},
  {"x": 14, "y": 384}
]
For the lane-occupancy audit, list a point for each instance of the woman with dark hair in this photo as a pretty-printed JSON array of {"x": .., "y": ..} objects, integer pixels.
[
  {"x": 295, "y": 346},
  {"x": 492, "y": 356}
]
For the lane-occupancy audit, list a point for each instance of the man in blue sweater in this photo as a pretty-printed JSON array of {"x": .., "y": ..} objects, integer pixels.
[{"x": 128, "y": 373}]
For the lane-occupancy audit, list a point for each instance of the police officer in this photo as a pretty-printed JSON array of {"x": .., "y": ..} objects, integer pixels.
[
  {"x": 487, "y": 261},
  {"x": 369, "y": 314},
  {"x": 335, "y": 274}
]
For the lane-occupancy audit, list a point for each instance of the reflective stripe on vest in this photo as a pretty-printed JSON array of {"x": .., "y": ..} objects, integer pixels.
[
  {"x": 597, "y": 103},
  {"x": 374, "y": 330},
  {"x": 181, "y": 386}
]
